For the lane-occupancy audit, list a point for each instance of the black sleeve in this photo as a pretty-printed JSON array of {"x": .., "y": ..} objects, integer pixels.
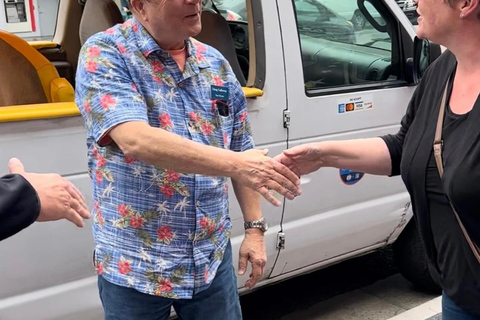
[
  {"x": 429, "y": 80},
  {"x": 395, "y": 141},
  {"x": 19, "y": 205}
]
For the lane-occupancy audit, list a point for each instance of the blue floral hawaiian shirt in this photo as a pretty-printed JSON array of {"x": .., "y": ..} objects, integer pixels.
[{"x": 159, "y": 231}]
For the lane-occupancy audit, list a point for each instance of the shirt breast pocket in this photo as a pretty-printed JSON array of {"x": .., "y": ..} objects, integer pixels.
[{"x": 224, "y": 124}]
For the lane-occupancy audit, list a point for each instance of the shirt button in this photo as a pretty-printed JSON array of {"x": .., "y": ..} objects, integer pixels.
[
  {"x": 180, "y": 85},
  {"x": 198, "y": 204}
]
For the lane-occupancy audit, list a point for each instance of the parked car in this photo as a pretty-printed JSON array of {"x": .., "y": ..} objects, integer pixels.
[
  {"x": 350, "y": 11},
  {"x": 314, "y": 19},
  {"x": 231, "y": 10}
]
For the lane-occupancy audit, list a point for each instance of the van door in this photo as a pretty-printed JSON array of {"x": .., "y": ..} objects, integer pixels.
[
  {"x": 342, "y": 83},
  {"x": 253, "y": 39}
]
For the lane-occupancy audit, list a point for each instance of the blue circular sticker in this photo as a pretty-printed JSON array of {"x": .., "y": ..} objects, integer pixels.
[{"x": 350, "y": 177}]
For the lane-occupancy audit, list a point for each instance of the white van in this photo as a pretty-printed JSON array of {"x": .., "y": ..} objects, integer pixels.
[{"x": 302, "y": 85}]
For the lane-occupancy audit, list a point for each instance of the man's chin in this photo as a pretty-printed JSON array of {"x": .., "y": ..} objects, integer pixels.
[{"x": 195, "y": 30}]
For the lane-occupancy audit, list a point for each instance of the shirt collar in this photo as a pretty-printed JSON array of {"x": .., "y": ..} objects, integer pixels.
[
  {"x": 145, "y": 42},
  {"x": 147, "y": 45}
]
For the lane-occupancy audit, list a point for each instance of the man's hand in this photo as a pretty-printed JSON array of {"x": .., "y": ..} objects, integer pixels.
[
  {"x": 303, "y": 159},
  {"x": 262, "y": 173},
  {"x": 59, "y": 198},
  {"x": 253, "y": 250}
]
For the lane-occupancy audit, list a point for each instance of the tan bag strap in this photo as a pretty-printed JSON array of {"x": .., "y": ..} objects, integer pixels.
[{"x": 437, "y": 151}]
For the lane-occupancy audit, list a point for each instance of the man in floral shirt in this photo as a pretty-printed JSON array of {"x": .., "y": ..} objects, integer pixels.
[{"x": 166, "y": 124}]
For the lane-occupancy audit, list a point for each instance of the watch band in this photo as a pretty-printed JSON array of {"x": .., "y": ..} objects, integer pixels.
[{"x": 260, "y": 224}]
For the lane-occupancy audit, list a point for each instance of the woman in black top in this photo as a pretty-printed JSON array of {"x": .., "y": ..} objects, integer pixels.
[{"x": 456, "y": 25}]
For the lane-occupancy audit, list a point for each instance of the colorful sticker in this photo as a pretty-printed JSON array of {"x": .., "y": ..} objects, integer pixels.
[
  {"x": 355, "y": 104},
  {"x": 350, "y": 177}
]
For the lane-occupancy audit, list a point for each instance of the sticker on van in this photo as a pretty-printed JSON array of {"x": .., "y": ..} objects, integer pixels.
[
  {"x": 355, "y": 104},
  {"x": 350, "y": 177}
]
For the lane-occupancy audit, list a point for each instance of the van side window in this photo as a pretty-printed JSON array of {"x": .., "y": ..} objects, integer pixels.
[{"x": 343, "y": 47}]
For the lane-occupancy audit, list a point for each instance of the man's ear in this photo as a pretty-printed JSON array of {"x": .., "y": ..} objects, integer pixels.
[{"x": 138, "y": 8}]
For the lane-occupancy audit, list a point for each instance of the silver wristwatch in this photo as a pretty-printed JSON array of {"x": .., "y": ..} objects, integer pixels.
[{"x": 260, "y": 224}]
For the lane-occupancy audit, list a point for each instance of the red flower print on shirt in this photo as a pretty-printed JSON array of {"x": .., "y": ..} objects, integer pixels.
[
  {"x": 107, "y": 101},
  {"x": 167, "y": 190},
  {"x": 101, "y": 162},
  {"x": 134, "y": 87},
  {"x": 123, "y": 210},
  {"x": 87, "y": 107},
  {"x": 129, "y": 160},
  {"x": 204, "y": 223},
  {"x": 92, "y": 66},
  {"x": 193, "y": 116},
  {"x": 135, "y": 27},
  {"x": 225, "y": 138},
  {"x": 110, "y": 31},
  {"x": 200, "y": 50},
  {"x": 157, "y": 66},
  {"x": 225, "y": 188},
  {"x": 99, "y": 268},
  {"x": 165, "y": 233},
  {"x": 205, "y": 274},
  {"x": 121, "y": 48},
  {"x": 211, "y": 228},
  {"x": 165, "y": 286},
  {"x": 243, "y": 116},
  {"x": 220, "y": 229},
  {"x": 95, "y": 152},
  {"x": 207, "y": 128},
  {"x": 136, "y": 222},
  {"x": 157, "y": 79},
  {"x": 165, "y": 121},
  {"x": 124, "y": 266},
  {"x": 218, "y": 81},
  {"x": 98, "y": 176},
  {"x": 172, "y": 175},
  {"x": 200, "y": 47},
  {"x": 214, "y": 106},
  {"x": 100, "y": 219},
  {"x": 93, "y": 52}
]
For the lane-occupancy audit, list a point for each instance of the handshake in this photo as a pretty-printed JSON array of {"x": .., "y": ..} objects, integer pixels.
[{"x": 281, "y": 173}]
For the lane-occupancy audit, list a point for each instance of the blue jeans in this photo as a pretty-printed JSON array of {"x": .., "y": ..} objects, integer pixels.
[
  {"x": 450, "y": 311},
  {"x": 219, "y": 302}
]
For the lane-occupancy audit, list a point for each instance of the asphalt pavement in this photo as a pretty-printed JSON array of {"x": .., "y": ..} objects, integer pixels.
[{"x": 364, "y": 288}]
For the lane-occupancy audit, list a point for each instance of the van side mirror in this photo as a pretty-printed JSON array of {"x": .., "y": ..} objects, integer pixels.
[{"x": 424, "y": 54}]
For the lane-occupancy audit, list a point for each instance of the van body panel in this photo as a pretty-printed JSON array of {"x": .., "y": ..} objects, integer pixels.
[{"x": 342, "y": 217}]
